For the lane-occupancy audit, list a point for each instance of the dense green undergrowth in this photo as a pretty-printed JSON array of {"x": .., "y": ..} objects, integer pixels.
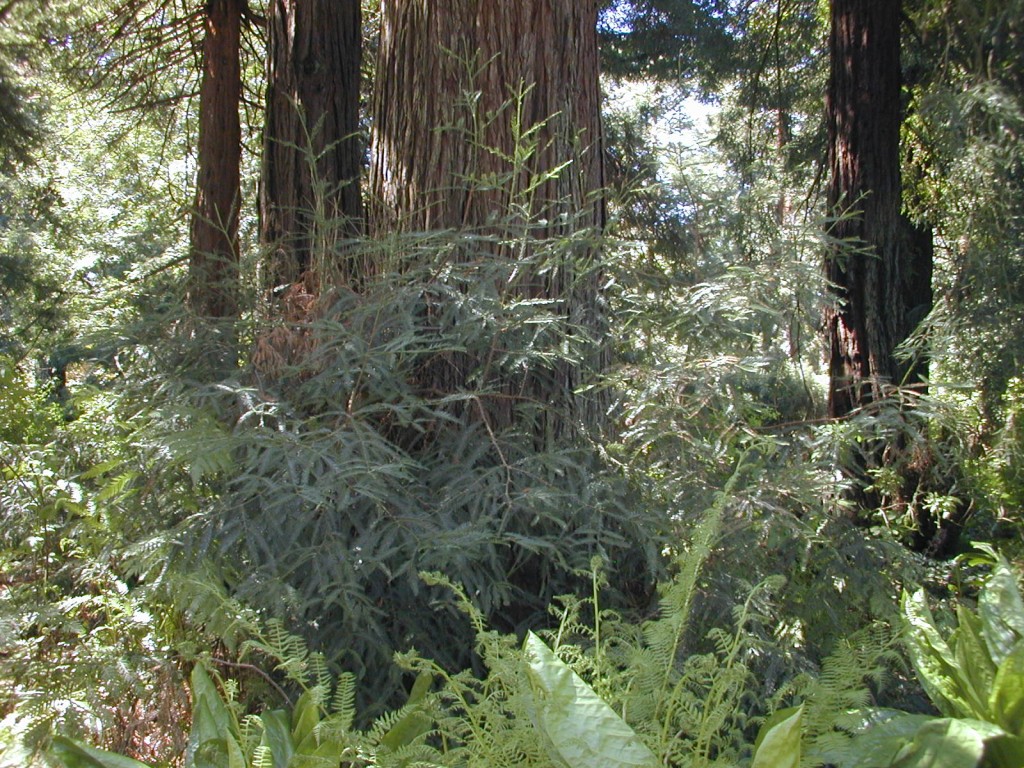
[
  {"x": 623, "y": 695},
  {"x": 276, "y": 523},
  {"x": 240, "y": 549}
]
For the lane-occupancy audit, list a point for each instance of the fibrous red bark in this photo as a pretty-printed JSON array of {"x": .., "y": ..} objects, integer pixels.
[
  {"x": 487, "y": 119},
  {"x": 310, "y": 198},
  {"x": 880, "y": 268},
  {"x": 213, "y": 278}
]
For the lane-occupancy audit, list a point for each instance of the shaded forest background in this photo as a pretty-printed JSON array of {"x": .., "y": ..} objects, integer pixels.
[{"x": 710, "y": 308}]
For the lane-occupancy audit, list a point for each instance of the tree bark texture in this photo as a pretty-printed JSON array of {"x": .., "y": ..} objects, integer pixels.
[
  {"x": 460, "y": 85},
  {"x": 213, "y": 278},
  {"x": 880, "y": 269},
  {"x": 310, "y": 199},
  {"x": 487, "y": 119}
]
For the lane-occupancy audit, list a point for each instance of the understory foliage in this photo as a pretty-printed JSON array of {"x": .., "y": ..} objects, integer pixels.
[
  {"x": 669, "y": 703},
  {"x": 81, "y": 647},
  {"x": 309, "y": 488},
  {"x": 314, "y": 489},
  {"x": 335, "y": 479}
]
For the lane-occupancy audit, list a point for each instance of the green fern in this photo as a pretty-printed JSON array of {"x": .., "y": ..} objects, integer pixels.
[{"x": 343, "y": 703}]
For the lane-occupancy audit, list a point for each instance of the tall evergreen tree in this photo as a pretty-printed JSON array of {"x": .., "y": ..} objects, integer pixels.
[
  {"x": 880, "y": 266},
  {"x": 213, "y": 278},
  {"x": 689, "y": 43},
  {"x": 18, "y": 129}
]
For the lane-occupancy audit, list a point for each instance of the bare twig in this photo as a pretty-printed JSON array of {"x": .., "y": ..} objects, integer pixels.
[{"x": 257, "y": 670}]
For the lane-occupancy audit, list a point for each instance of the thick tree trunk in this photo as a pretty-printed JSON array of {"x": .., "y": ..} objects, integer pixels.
[
  {"x": 213, "y": 277},
  {"x": 310, "y": 199},
  {"x": 459, "y": 86},
  {"x": 879, "y": 266},
  {"x": 881, "y": 272},
  {"x": 487, "y": 119}
]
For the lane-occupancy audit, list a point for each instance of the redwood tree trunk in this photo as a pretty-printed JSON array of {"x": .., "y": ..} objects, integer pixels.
[
  {"x": 431, "y": 129},
  {"x": 880, "y": 268},
  {"x": 310, "y": 198},
  {"x": 213, "y": 278},
  {"x": 881, "y": 274},
  {"x": 487, "y": 119}
]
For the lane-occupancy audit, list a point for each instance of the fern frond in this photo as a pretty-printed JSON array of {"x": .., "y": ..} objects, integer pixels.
[
  {"x": 320, "y": 674},
  {"x": 262, "y": 757},
  {"x": 343, "y": 703}
]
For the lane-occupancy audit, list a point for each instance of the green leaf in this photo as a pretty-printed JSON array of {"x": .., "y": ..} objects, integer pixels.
[
  {"x": 1004, "y": 752},
  {"x": 101, "y": 469},
  {"x": 207, "y": 748},
  {"x": 236, "y": 755},
  {"x": 305, "y": 717},
  {"x": 880, "y": 734},
  {"x": 899, "y": 740},
  {"x": 935, "y": 662},
  {"x": 327, "y": 755},
  {"x": 977, "y": 672},
  {"x": 1002, "y": 612},
  {"x": 1006, "y": 701},
  {"x": 778, "y": 743},
  {"x": 582, "y": 729},
  {"x": 212, "y": 724},
  {"x": 277, "y": 736},
  {"x": 414, "y": 723},
  {"x": 75, "y": 754},
  {"x": 215, "y": 720},
  {"x": 946, "y": 743}
]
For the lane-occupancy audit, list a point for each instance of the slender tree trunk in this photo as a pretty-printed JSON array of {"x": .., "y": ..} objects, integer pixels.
[
  {"x": 213, "y": 278},
  {"x": 310, "y": 197},
  {"x": 486, "y": 119}
]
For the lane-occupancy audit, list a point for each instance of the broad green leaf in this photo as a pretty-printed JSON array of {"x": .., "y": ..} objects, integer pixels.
[
  {"x": 330, "y": 733},
  {"x": 236, "y": 755},
  {"x": 935, "y": 662},
  {"x": 211, "y": 753},
  {"x": 946, "y": 743},
  {"x": 305, "y": 717},
  {"x": 210, "y": 716},
  {"x": 414, "y": 723},
  {"x": 212, "y": 724},
  {"x": 900, "y": 740},
  {"x": 583, "y": 730},
  {"x": 75, "y": 754},
  {"x": 1006, "y": 702},
  {"x": 207, "y": 748},
  {"x": 327, "y": 755},
  {"x": 879, "y": 735},
  {"x": 778, "y": 744},
  {"x": 1002, "y": 612},
  {"x": 974, "y": 665},
  {"x": 1004, "y": 752},
  {"x": 277, "y": 736}
]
